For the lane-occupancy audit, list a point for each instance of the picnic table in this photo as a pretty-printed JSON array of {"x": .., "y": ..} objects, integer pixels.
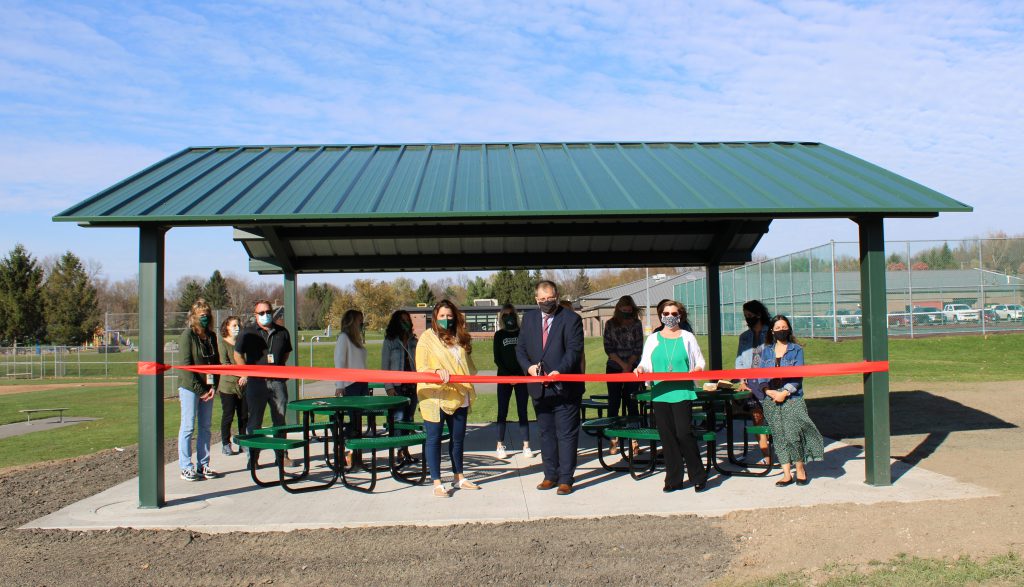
[{"x": 358, "y": 407}]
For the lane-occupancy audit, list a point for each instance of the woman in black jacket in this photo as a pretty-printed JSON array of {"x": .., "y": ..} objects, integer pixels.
[{"x": 505, "y": 340}]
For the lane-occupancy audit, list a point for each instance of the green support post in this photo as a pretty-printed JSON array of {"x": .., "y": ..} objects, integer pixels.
[
  {"x": 291, "y": 323},
  {"x": 877, "y": 468},
  {"x": 714, "y": 315},
  {"x": 151, "y": 349}
]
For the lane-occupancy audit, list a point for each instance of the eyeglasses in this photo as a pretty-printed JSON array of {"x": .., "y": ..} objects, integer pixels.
[
  {"x": 264, "y": 312},
  {"x": 670, "y": 313}
]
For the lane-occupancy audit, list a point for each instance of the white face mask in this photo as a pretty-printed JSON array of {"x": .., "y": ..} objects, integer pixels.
[
  {"x": 234, "y": 331},
  {"x": 670, "y": 321}
]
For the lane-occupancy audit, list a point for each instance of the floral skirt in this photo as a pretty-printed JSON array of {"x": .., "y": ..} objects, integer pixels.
[{"x": 794, "y": 435}]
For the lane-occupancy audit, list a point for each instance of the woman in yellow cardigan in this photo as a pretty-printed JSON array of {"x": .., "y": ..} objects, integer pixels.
[{"x": 445, "y": 349}]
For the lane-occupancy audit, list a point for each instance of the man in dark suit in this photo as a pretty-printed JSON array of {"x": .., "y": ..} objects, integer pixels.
[{"x": 551, "y": 342}]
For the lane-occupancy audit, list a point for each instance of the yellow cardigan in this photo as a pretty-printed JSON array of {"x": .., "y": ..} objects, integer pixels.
[{"x": 432, "y": 354}]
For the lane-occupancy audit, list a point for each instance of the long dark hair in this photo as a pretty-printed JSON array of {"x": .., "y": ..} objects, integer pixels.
[
  {"x": 461, "y": 336},
  {"x": 756, "y": 307},
  {"x": 770, "y": 338},
  {"x": 394, "y": 329},
  {"x": 625, "y": 301}
]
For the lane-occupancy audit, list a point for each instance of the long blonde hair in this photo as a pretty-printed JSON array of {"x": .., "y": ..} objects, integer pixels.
[
  {"x": 199, "y": 308},
  {"x": 348, "y": 326}
]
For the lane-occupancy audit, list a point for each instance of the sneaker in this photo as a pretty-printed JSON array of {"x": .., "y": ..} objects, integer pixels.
[
  {"x": 527, "y": 452},
  {"x": 226, "y": 449},
  {"x": 189, "y": 474},
  {"x": 502, "y": 453},
  {"x": 209, "y": 473}
]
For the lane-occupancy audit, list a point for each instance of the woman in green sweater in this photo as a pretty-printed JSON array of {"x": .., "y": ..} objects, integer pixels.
[
  {"x": 675, "y": 350},
  {"x": 198, "y": 346},
  {"x": 229, "y": 388}
]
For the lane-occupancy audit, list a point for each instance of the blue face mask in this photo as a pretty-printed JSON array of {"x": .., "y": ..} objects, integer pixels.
[
  {"x": 204, "y": 321},
  {"x": 265, "y": 319}
]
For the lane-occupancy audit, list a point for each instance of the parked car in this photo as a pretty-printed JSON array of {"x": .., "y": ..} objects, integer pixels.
[
  {"x": 926, "y": 315},
  {"x": 959, "y": 313},
  {"x": 848, "y": 318},
  {"x": 990, "y": 315},
  {"x": 1007, "y": 311}
]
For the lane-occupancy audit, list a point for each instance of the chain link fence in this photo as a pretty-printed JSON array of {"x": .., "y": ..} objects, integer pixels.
[{"x": 932, "y": 287}]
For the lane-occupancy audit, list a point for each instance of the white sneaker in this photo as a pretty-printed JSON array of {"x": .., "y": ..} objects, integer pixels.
[
  {"x": 502, "y": 453},
  {"x": 527, "y": 453}
]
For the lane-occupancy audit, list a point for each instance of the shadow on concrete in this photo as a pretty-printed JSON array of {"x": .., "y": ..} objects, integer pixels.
[{"x": 911, "y": 413}]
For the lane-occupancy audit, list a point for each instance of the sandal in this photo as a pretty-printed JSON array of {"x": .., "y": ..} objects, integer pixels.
[
  {"x": 613, "y": 448},
  {"x": 634, "y": 447},
  {"x": 440, "y": 491},
  {"x": 465, "y": 484}
]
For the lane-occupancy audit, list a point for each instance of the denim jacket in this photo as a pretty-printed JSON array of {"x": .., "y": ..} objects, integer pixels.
[
  {"x": 745, "y": 350},
  {"x": 794, "y": 357},
  {"x": 394, "y": 353}
]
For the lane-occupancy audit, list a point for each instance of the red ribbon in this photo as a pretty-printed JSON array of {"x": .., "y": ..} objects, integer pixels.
[{"x": 378, "y": 376}]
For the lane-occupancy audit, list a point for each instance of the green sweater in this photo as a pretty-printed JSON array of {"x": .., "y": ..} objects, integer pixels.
[
  {"x": 228, "y": 383},
  {"x": 197, "y": 352},
  {"x": 670, "y": 356}
]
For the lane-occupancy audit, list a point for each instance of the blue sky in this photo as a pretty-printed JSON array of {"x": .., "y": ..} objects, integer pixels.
[{"x": 94, "y": 91}]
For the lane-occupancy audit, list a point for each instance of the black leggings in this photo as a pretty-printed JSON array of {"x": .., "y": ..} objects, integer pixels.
[
  {"x": 504, "y": 398},
  {"x": 231, "y": 406},
  {"x": 622, "y": 393}
]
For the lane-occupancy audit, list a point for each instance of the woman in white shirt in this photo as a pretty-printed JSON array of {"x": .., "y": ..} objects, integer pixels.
[{"x": 350, "y": 353}]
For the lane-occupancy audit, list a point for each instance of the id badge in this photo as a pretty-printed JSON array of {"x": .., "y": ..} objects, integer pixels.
[
  {"x": 270, "y": 358},
  {"x": 209, "y": 378}
]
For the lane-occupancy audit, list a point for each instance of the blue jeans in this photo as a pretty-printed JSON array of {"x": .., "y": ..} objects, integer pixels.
[
  {"x": 191, "y": 407},
  {"x": 457, "y": 428}
]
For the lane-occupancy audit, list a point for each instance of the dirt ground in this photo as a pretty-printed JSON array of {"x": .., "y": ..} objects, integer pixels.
[{"x": 969, "y": 431}]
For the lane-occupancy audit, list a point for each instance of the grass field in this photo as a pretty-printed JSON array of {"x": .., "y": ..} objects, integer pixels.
[{"x": 960, "y": 358}]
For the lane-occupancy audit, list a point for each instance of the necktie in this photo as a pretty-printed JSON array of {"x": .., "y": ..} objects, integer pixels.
[{"x": 547, "y": 327}]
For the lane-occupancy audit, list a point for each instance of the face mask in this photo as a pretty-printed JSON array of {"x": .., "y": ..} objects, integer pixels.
[
  {"x": 265, "y": 319},
  {"x": 509, "y": 322},
  {"x": 781, "y": 335},
  {"x": 445, "y": 323},
  {"x": 204, "y": 321},
  {"x": 234, "y": 331},
  {"x": 752, "y": 322},
  {"x": 670, "y": 321},
  {"x": 548, "y": 306},
  {"x": 406, "y": 326},
  {"x": 624, "y": 314}
]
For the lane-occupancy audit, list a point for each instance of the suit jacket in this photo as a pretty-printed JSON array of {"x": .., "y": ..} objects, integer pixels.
[{"x": 562, "y": 353}]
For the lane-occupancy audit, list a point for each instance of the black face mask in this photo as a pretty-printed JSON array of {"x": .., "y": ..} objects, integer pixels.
[
  {"x": 752, "y": 322},
  {"x": 548, "y": 307},
  {"x": 781, "y": 335},
  {"x": 510, "y": 322}
]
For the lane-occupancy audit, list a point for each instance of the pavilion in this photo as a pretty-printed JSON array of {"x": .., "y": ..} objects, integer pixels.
[{"x": 427, "y": 207}]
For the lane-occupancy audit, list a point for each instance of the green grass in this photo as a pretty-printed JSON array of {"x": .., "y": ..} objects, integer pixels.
[
  {"x": 954, "y": 358},
  {"x": 1007, "y": 569}
]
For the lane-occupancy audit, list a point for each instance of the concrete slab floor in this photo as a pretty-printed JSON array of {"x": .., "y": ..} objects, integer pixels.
[
  {"x": 41, "y": 425},
  {"x": 234, "y": 503}
]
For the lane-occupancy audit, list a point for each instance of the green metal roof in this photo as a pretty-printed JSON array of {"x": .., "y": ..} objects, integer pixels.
[
  {"x": 337, "y": 208},
  {"x": 227, "y": 185}
]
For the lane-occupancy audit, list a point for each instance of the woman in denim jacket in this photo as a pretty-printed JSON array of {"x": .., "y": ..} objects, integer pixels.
[
  {"x": 797, "y": 440},
  {"x": 748, "y": 356}
]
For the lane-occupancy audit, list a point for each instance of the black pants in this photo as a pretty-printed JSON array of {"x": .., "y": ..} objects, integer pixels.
[
  {"x": 232, "y": 406},
  {"x": 622, "y": 393},
  {"x": 359, "y": 388},
  {"x": 678, "y": 443},
  {"x": 558, "y": 417},
  {"x": 504, "y": 399},
  {"x": 258, "y": 393}
]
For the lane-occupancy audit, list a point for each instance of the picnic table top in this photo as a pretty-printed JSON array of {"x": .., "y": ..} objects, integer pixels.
[{"x": 352, "y": 402}]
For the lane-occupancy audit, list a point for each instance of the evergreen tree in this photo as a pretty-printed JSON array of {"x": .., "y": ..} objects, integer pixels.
[
  {"x": 21, "y": 299},
  {"x": 189, "y": 294},
  {"x": 71, "y": 310},
  {"x": 216, "y": 292},
  {"x": 523, "y": 290},
  {"x": 581, "y": 284},
  {"x": 425, "y": 295},
  {"x": 503, "y": 287},
  {"x": 946, "y": 260},
  {"x": 478, "y": 289}
]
